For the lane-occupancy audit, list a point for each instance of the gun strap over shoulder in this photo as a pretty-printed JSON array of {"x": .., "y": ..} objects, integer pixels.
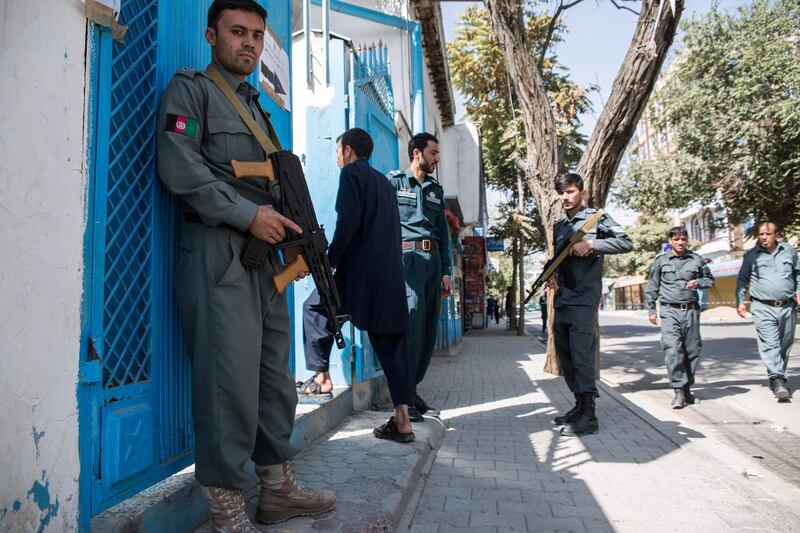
[{"x": 269, "y": 143}]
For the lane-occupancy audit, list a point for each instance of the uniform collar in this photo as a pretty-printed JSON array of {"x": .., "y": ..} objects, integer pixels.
[
  {"x": 580, "y": 215},
  {"x": 412, "y": 179},
  {"x": 233, "y": 81},
  {"x": 778, "y": 247},
  {"x": 673, "y": 255}
]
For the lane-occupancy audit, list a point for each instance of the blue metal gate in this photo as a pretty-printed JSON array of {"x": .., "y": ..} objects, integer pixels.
[{"x": 372, "y": 108}]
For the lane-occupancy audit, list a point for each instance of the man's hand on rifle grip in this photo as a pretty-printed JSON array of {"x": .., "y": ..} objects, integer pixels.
[
  {"x": 552, "y": 283},
  {"x": 268, "y": 225},
  {"x": 583, "y": 248}
]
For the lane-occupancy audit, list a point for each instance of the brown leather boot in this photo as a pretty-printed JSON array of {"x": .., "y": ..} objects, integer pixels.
[
  {"x": 282, "y": 498},
  {"x": 227, "y": 510}
]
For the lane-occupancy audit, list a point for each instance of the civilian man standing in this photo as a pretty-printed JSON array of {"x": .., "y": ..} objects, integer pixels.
[
  {"x": 236, "y": 325},
  {"x": 578, "y": 283},
  {"x": 426, "y": 255},
  {"x": 674, "y": 279},
  {"x": 366, "y": 253},
  {"x": 772, "y": 274}
]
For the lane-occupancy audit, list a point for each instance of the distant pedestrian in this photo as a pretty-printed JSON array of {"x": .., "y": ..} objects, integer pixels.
[
  {"x": 511, "y": 313},
  {"x": 674, "y": 279},
  {"x": 496, "y": 310},
  {"x": 578, "y": 283},
  {"x": 771, "y": 273},
  {"x": 490, "y": 306},
  {"x": 543, "y": 310}
]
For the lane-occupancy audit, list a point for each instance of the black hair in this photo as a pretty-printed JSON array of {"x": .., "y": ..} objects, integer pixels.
[
  {"x": 420, "y": 142},
  {"x": 218, "y": 6},
  {"x": 357, "y": 139},
  {"x": 567, "y": 179},
  {"x": 678, "y": 231},
  {"x": 765, "y": 222}
]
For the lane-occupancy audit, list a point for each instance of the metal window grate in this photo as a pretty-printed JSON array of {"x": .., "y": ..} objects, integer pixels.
[{"x": 128, "y": 272}]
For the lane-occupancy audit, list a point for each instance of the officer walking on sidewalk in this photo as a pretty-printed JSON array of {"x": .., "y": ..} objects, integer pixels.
[
  {"x": 674, "y": 279},
  {"x": 235, "y": 322},
  {"x": 578, "y": 285},
  {"x": 772, "y": 274},
  {"x": 426, "y": 255}
]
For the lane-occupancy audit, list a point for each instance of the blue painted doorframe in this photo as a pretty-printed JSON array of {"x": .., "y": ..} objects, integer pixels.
[{"x": 134, "y": 387}]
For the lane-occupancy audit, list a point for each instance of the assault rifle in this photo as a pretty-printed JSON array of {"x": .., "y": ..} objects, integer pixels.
[
  {"x": 295, "y": 205},
  {"x": 562, "y": 253}
]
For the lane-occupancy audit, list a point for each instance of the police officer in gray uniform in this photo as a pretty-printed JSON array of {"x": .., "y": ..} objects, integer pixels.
[
  {"x": 674, "y": 279},
  {"x": 426, "y": 255},
  {"x": 578, "y": 285},
  {"x": 772, "y": 274},
  {"x": 236, "y": 324}
]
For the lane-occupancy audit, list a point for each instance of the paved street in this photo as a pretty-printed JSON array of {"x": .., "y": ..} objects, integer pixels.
[
  {"x": 736, "y": 407},
  {"x": 502, "y": 465}
]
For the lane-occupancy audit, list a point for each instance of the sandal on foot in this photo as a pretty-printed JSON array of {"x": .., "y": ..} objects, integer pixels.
[
  {"x": 310, "y": 391},
  {"x": 388, "y": 431}
]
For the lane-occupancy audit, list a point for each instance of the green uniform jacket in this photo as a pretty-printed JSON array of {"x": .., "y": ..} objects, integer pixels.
[
  {"x": 422, "y": 211},
  {"x": 669, "y": 276},
  {"x": 199, "y": 133},
  {"x": 581, "y": 278},
  {"x": 769, "y": 276}
]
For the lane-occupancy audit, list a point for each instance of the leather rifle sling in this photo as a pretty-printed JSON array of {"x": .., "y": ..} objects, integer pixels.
[{"x": 269, "y": 145}]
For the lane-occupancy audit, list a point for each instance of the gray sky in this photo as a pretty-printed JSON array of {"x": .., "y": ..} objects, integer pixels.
[{"x": 597, "y": 38}]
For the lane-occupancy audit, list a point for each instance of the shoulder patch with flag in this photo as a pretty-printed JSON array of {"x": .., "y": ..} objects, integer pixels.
[{"x": 181, "y": 124}]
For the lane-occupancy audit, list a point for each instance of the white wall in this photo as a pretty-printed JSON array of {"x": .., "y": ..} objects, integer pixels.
[
  {"x": 42, "y": 188},
  {"x": 461, "y": 166}
]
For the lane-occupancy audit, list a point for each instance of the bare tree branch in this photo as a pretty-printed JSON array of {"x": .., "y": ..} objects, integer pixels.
[
  {"x": 626, "y": 8},
  {"x": 551, "y": 28}
]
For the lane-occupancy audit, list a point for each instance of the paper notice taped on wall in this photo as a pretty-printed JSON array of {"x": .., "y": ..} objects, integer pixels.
[
  {"x": 106, "y": 13},
  {"x": 273, "y": 71}
]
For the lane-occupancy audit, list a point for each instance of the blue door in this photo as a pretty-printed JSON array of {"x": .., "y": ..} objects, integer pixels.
[
  {"x": 372, "y": 108},
  {"x": 134, "y": 383}
]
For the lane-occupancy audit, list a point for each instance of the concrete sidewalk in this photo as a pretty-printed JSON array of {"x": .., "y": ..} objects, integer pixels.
[{"x": 503, "y": 466}]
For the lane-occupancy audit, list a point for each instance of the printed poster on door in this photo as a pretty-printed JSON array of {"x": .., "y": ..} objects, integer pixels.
[{"x": 273, "y": 73}]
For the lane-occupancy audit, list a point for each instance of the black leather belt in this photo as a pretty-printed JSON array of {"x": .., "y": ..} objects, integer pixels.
[
  {"x": 426, "y": 245},
  {"x": 683, "y": 307},
  {"x": 773, "y": 303},
  {"x": 194, "y": 218}
]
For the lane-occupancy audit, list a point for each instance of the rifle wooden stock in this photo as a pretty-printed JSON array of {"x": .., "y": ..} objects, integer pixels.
[
  {"x": 287, "y": 275},
  {"x": 249, "y": 169}
]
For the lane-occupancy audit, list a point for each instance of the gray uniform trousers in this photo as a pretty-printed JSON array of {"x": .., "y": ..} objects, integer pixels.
[
  {"x": 680, "y": 339},
  {"x": 576, "y": 345},
  {"x": 237, "y": 330},
  {"x": 423, "y": 274},
  {"x": 774, "y": 335}
]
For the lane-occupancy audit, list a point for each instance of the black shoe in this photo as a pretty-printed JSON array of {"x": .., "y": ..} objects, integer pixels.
[
  {"x": 570, "y": 416},
  {"x": 687, "y": 394},
  {"x": 423, "y": 407},
  {"x": 586, "y": 423},
  {"x": 414, "y": 415},
  {"x": 679, "y": 401},
  {"x": 388, "y": 431},
  {"x": 779, "y": 389}
]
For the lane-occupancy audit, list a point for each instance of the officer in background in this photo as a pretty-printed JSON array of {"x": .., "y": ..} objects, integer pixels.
[
  {"x": 366, "y": 253},
  {"x": 772, "y": 274},
  {"x": 236, "y": 324},
  {"x": 426, "y": 255},
  {"x": 578, "y": 285},
  {"x": 675, "y": 277}
]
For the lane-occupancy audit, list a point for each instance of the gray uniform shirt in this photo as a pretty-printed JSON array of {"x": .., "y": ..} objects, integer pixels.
[
  {"x": 769, "y": 276},
  {"x": 199, "y": 133},
  {"x": 581, "y": 278},
  {"x": 669, "y": 276}
]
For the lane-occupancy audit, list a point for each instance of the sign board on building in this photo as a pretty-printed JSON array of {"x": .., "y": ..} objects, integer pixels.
[{"x": 495, "y": 244}]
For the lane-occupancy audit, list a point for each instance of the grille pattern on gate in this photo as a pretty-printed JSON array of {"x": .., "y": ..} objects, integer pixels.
[
  {"x": 379, "y": 92},
  {"x": 128, "y": 272}
]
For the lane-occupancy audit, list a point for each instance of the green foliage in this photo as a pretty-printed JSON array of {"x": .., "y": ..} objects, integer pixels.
[
  {"x": 648, "y": 234},
  {"x": 732, "y": 96},
  {"x": 478, "y": 71}
]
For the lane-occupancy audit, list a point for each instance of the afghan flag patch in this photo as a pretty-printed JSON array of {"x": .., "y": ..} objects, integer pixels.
[{"x": 182, "y": 125}]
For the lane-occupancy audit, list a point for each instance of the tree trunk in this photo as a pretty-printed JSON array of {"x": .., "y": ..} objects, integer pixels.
[
  {"x": 521, "y": 258},
  {"x": 510, "y": 308},
  {"x": 628, "y": 99}
]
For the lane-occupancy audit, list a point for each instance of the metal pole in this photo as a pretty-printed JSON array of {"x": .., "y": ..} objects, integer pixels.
[
  {"x": 326, "y": 38},
  {"x": 307, "y": 42}
]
